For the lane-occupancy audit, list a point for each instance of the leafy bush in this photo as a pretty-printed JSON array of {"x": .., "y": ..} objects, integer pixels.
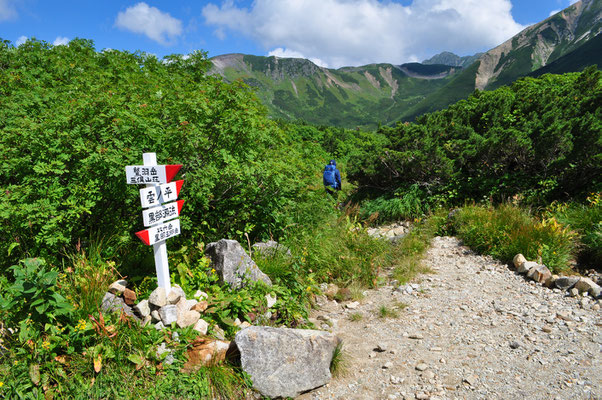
[
  {"x": 537, "y": 140},
  {"x": 72, "y": 118},
  {"x": 507, "y": 230}
]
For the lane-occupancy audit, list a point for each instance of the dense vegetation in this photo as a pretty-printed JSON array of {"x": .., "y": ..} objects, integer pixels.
[
  {"x": 538, "y": 140},
  {"x": 72, "y": 118}
]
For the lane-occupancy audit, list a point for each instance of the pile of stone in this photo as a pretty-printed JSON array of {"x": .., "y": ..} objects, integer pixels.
[
  {"x": 574, "y": 285},
  {"x": 393, "y": 232}
]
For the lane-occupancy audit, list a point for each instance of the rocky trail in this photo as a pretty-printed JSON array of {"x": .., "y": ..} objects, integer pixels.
[{"x": 472, "y": 329}]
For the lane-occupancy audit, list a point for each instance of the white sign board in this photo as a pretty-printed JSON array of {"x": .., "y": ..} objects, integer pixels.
[
  {"x": 162, "y": 213},
  {"x": 159, "y": 233},
  {"x": 155, "y": 195},
  {"x": 150, "y": 174}
]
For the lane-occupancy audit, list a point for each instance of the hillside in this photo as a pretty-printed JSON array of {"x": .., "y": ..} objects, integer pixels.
[
  {"x": 349, "y": 97},
  {"x": 376, "y": 94},
  {"x": 576, "y": 27}
]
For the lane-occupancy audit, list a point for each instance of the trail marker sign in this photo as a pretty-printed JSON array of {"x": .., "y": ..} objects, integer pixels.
[
  {"x": 150, "y": 174},
  {"x": 158, "y": 233},
  {"x": 158, "y": 193},
  {"x": 155, "y": 195},
  {"x": 155, "y": 215}
]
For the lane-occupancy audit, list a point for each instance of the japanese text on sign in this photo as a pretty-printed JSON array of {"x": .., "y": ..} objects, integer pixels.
[
  {"x": 159, "y": 214},
  {"x": 153, "y": 196}
]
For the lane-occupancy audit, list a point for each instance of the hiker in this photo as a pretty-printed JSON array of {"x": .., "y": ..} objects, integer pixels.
[{"x": 332, "y": 178}]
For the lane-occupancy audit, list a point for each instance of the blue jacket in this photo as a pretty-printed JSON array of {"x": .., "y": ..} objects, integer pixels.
[{"x": 337, "y": 175}]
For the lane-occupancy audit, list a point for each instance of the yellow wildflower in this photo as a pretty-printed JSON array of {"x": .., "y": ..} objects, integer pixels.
[
  {"x": 45, "y": 344},
  {"x": 1, "y": 384}
]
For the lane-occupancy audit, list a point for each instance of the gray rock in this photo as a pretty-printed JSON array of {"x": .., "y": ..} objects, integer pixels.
[
  {"x": 168, "y": 314},
  {"x": 539, "y": 273},
  {"x": 201, "y": 326},
  {"x": 525, "y": 267},
  {"x": 595, "y": 292},
  {"x": 112, "y": 303},
  {"x": 143, "y": 308},
  {"x": 233, "y": 264},
  {"x": 271, "y": 248},
  {"x": 574, "y": 292},
  {"x": 518, "y": 261},
  {"x": 566, "y": 282},
  {"x": 117, "y": 287},
  {"x": 585, "y": 284},
  {"x": 175, "y": 294},
  {"x": 270, "y": 300},
  {"x": 188, "y": 318},
  {"x": 158, "y": 298},
  {"x": 159, "y": 326},
  {"x": 155, "y": 315},
  {"x": 285, "y": 362}
]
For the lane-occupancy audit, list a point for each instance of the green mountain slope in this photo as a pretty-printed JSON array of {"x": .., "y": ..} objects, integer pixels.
[
  {"x": 589, "y": 53},
  {"x": 350, "y": 97},
  {"x": 533, "y": 48}
]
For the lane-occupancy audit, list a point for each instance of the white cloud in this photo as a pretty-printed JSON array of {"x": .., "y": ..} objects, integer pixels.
[
  {"x": 21, "y": 40},
  {"x": 286, "y": 53},
  {"x": 150, "y": 21},
  {"x": 7, "y": 10},
  {"x": 356, "y": 32},
  {"x": 61, "y": 41},
  {"x": 554, "y": 12}
]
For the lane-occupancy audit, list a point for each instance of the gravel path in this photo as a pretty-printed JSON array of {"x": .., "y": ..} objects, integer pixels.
[{"x": 473, "y": 329}]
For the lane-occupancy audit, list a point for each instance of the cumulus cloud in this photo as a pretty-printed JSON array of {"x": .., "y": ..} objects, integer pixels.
[
  {"x": 21, "y": 40},
  {"x": 150, "y": 21},
  {"x": 61, "y": 41},
  {"x": 356, "y": 32},
  {"x": 7, "y": 10}
]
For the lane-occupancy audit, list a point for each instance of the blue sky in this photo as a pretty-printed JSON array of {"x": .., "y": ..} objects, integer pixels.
[{"x": 332, "y": 33}]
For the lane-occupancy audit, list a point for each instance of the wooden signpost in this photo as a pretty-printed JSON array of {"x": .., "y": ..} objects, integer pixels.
[{"x": 160, "y": 213}]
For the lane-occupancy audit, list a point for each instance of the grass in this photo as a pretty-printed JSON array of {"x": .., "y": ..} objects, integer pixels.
[
  {"x": 386, "y": 312},
  {"x": 586, "y": 221},
  {"x": 507, "y": 230},
  {"x": 410, "y": 250},
  {"x": 356, "y": 317},
  {"x": 339, "y": 364}
]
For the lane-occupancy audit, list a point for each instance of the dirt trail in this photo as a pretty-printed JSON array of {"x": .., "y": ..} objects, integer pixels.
[{"x": 473, "y": 329}]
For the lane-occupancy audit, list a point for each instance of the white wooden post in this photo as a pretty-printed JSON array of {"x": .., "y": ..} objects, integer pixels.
[{"x": 159, "y": 249}]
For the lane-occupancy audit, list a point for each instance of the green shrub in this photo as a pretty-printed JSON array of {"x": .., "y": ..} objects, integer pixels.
[
  {"x": 508, "y": 230},
  {"x": 409, "y": 205},
  {"x": 586, "y": 221}
]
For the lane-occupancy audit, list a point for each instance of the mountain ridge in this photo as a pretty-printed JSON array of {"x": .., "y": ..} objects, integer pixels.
[{"x": 381, "y": 93}]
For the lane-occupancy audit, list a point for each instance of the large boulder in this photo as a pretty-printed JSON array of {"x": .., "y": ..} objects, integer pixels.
[
  {"x": 233, "y": 264},
  {"x": 285, "y": 362}
]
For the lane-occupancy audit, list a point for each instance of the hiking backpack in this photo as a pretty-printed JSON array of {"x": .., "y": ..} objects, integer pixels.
[{"x": 329, "y": 179}]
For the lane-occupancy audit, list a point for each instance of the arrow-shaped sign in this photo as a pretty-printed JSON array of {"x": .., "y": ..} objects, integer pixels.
[
  {"x": 155, "y": 195},
  {"x": 150, "y": 175},
  {"x": 162, "y": 213},
  {"x": 159, "y": 233}
]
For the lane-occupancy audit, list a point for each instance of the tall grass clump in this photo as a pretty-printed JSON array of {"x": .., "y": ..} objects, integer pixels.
[
  {"x": 586, "y": 221},
  {"x": 507, "y": 230},
  {"x": 408, "y": 253},
  {"x": 407, "y": 205}
]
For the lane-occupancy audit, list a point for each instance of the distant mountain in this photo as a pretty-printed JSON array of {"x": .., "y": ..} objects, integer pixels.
[
  {"x": 575, "y": 31},
  {"x": 366, "y": 96},
  {"x": 294, "y": 88},
  {"x": 447, "y": 58}
]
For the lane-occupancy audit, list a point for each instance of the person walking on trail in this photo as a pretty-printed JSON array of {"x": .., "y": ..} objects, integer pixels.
[{"x": 332, "y": 178}]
